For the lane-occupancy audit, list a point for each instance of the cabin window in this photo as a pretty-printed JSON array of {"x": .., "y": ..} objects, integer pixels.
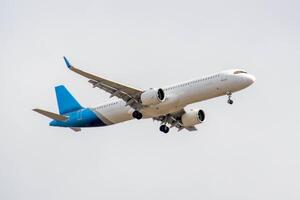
[{"x": 240, "y": 72}]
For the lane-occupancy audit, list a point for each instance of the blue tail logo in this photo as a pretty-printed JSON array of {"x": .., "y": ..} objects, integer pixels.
[{"x": 65, "y": 101}]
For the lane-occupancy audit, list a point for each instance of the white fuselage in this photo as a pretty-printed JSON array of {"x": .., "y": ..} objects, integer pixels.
[{"x": 178, "y": 96}]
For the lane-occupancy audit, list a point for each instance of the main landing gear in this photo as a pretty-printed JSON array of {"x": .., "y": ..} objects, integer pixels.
[
  {"x": 229, "y": 94},
  {"x": 137, "y": 115},
  {"x": 164, "y": 128}
]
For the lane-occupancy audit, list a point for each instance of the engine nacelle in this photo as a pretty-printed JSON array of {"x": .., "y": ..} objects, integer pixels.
[
  {"x": 193, "y": 117},
  {"x": 152, "y": 97}
]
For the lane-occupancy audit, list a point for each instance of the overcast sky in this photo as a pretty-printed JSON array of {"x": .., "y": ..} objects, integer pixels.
[{"x": 250, "y": 150}]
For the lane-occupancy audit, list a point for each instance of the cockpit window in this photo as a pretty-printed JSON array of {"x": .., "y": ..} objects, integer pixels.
[{"x": 240, "y": 72}]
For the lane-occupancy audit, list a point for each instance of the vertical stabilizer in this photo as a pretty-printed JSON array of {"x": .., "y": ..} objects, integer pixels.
[{"x": 65, "y": 101}]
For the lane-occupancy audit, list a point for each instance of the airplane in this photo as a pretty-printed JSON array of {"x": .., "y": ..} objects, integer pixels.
[{"x": 166, "y": 104}]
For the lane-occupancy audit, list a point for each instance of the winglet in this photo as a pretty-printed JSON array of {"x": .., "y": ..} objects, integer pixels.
[{"x": 67, "y": 62}]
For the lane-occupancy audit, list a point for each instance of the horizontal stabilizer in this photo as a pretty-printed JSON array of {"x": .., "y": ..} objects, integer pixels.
[
  {"x": 51, "y": 115},
  {"x": 75, "y": 129}
]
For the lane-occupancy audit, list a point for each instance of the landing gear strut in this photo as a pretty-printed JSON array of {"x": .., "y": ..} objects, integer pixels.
[
  {"x": 164, "y": 128},
  {"x": 229, "y": 98},
  {"x": 137, "y": 115}
]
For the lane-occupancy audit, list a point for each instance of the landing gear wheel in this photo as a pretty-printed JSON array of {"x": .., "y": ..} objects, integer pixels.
[
  {"x": 137, "y": 115},
  {"x": 229, "y": 98},
  {"x": 164, "y": 128}
]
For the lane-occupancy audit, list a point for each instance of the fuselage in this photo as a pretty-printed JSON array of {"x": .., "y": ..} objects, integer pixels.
[{"x": 177, "y": 97}]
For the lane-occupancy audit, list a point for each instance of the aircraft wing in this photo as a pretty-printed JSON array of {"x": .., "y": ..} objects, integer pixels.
[
  {"x": 191, "y": 128},
  {"x": 174, "y": 119},
  {"x": 128, "y": 94}
]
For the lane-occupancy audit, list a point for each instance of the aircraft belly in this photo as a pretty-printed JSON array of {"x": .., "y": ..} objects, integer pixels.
[{"x": 116, "y": 115}]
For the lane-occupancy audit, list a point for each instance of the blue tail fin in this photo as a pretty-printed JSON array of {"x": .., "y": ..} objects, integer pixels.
[{"x": 65, "y": 101}]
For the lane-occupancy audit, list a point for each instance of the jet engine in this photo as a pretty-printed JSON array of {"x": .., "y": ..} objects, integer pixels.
[
  {"x": 193, "y": 117},
  {"x": 152, "y": 97}
]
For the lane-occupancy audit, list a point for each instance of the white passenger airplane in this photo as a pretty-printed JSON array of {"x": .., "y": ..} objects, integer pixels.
[{"x": 166, "y": 104}]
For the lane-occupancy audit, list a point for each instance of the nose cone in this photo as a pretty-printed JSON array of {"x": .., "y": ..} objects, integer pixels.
[
  {"x": 246, "y": 80},
  {"x": 251, "y": 79}
]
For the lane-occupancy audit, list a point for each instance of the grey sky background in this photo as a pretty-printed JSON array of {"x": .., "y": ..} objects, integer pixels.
[{"x": 249, "y": 150}]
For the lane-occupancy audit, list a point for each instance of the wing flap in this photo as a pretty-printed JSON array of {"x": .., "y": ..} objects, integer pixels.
[
  {"x": 130, "y": 100},
  {"x": 191, "y": 128}
]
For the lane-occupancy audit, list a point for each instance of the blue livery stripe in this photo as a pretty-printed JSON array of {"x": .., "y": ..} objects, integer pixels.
[{"x": 81, "y": 118}]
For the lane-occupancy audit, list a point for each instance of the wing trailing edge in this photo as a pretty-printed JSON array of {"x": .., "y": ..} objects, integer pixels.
[{"x": 124, "y": 92}]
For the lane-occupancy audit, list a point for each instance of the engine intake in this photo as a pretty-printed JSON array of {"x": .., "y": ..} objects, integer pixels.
[
  {"x": 152, "y": 97},
  {"x": 193, "y": 117}
]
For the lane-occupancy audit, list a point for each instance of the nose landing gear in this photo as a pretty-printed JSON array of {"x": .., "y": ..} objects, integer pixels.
[{"x": 229, "y": 101}]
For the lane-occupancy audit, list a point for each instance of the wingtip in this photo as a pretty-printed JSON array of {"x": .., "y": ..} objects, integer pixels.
[{"x": 67, "y": 62}]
